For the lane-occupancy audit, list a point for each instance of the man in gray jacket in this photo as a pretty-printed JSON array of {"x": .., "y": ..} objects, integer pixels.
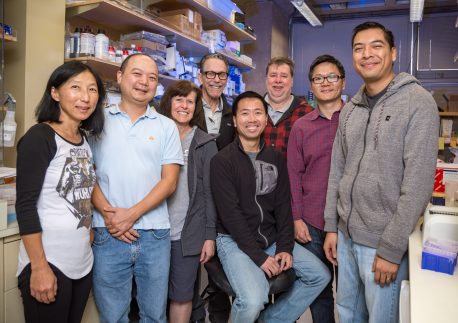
[{"x": 381, "y": 178}]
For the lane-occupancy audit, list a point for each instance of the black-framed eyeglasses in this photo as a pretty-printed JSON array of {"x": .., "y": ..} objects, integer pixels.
[
  {"x": 332, "y": 78},
  {"x": 211, "y": 75}
]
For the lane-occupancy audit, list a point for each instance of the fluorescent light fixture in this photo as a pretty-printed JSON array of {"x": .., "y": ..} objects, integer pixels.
[
  {"x": 302, "y": 7},
  {"x": 416, "y": 10}
]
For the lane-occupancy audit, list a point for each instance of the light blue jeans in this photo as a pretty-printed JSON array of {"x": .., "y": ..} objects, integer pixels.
[
  {"x": 250, "y": 284},
  {"x": 116, "y": 263},
  {"x": 359, "y": 298}
]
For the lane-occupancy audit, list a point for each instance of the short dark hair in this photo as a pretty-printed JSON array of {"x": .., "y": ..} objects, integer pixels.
[
  {"x": 374, "y": 25},
  {"x": 48, "y": 110},
  {"x": 216, "y": 56},
  {"x": 326, "y": 59},
  {"x": 182, "y": 88},
  {"x": 247, "y": 95},
  {"x": 280, "y": 60},
  {"x": 127, "y": 59}
]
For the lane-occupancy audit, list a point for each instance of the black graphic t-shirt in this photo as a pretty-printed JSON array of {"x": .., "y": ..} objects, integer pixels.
[{"x": 55, "y": 179}]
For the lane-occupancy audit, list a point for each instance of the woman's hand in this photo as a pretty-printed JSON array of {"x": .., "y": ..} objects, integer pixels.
[
  {"x": 208, "y": 251},
  {"x": 43, "y": 284}
]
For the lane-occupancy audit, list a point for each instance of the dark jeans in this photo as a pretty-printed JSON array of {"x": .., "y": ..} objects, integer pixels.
[
  {"x": 322, "y": 307},
  {"x": 71, "y": 299}
]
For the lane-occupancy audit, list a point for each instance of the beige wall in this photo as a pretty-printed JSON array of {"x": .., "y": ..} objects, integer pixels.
[
  {"x": 279, "y": 32},
  {"x": 30, "y": 61},
  {"x": 271, "y": 27}
]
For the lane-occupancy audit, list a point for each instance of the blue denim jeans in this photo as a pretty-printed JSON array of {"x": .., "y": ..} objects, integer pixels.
[
  {"x": 250, "y": 284},
  {"x": 322, "y": 307},
  {"x": 359, "y": 298},
  {"x": 116, "y": 263}
]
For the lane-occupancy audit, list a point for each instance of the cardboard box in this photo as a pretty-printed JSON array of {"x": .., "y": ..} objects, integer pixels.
[
  {"x": 453, "y": 103},
  {"x": 196, "y": 34},
  {"x": 185, "y": 12},
  {"x": 198, "y": 22},
  {"x": 178, "y": 22},
  {"x": 444, "y": 172},
  {"x": 146, "y": 43}
]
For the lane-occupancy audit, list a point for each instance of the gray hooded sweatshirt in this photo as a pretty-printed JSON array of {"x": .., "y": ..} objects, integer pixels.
[{"x": 382, "y": 168}]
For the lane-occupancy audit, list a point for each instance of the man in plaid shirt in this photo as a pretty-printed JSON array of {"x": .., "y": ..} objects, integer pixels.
[
  {"x": 284, "y": 108},
  {"x": 309, "y": 160}
]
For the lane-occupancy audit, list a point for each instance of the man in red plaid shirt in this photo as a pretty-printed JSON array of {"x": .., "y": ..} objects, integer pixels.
[
  {"x": 309, "y": 161},
  {"x": 284, "y": 107}
]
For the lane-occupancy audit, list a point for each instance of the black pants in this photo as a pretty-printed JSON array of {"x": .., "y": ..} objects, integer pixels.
[
  {"x": 70, "y": 300},
  {"x": 219, "y": 304}
]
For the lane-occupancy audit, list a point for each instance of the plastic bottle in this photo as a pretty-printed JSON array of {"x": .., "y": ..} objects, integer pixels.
[
  {"x": 9, "y": 129},
  {"x": 101, "y": 45},
  {"x": 87, "y": 47},
  {"x": 75, "y": 44},
  {"x": 125, "y": 54},
  {"x": 133, "y": 49},
  {"x": 68, "y": 41},
  {"x": 8, "y": 126},
  {"x": 118, "y": 56},
  {"x": 111, "y": 54}
]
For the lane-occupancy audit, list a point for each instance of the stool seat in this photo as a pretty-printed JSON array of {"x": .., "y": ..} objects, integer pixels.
[{"x": 277, "y": 284}]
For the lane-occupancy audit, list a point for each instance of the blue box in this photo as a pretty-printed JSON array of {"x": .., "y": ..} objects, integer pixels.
[{"x": 438, "y": 263}]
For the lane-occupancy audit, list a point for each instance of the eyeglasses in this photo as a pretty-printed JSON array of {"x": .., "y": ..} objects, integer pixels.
[
  {"x": 332, "y": 78},
  {"x": 211, "y": 75}
]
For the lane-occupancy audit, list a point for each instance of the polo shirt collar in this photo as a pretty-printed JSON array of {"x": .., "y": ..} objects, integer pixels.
[{"x": 149, "y": 113}]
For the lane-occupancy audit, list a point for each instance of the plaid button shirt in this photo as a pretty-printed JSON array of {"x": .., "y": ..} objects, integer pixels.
[
  {"x": 309, "y": 162},
  {"x": 277, "y": 135}
]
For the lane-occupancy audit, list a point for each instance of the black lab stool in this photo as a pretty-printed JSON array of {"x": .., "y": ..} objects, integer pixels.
[{"x": 277, "y": 284}]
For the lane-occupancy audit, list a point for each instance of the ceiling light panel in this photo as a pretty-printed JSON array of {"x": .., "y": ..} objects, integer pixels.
[{"x": 304, "y": 9}]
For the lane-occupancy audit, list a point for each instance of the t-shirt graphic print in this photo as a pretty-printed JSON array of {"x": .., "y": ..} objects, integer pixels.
[{"x": 76, "y": 184}]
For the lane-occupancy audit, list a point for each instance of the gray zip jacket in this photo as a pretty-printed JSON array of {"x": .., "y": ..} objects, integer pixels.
[{"x": 382, "y": 168}]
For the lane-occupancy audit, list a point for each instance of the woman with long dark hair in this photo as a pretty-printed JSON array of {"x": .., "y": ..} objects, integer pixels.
[{"x": 55, "y": 178}]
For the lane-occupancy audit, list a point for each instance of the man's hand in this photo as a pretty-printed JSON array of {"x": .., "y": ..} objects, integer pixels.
[
  {"x": 208, "y": 251},
  {"x": 43, "y": 284},
  {"x": 384, "y": 271},
  {"x": 119, "y": 222},
  {"x": 285, "y": 260},
  {"x": 301, "y": 232},
  {"x": 129, "y": 236},
  {"x": 330, "y": 247},
  {"x": 271, "y": 267}
]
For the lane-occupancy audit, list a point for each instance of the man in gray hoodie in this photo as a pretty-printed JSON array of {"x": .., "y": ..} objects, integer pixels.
[{"x": 381, "y": 178}]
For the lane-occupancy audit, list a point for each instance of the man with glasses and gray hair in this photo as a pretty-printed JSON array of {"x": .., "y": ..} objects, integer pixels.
[
  {"x": 309, "y": 161},
  {"x": 213, "y": 76}
]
